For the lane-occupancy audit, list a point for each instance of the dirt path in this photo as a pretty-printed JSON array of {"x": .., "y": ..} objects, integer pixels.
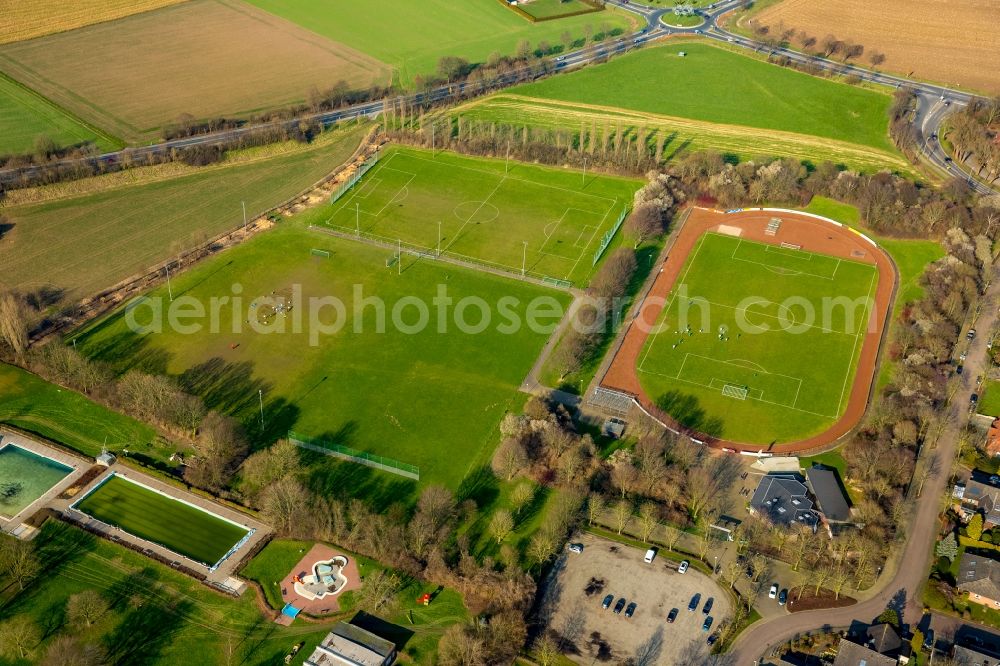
[{"x": 811, "y": 233}]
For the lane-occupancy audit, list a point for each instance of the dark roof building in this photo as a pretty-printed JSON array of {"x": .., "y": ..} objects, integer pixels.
[
  {"x": 884, "y": 638},
  {"x": 350, "y": 645},
  {"x": 852, "y": 654},
  {"x": 784, "y": 501},
  {"x": 826, "y": 489},
  {"x": 980, "y": 577},
  {"x": 984, "y": 497},
  {"x": 964, "y": 656}
]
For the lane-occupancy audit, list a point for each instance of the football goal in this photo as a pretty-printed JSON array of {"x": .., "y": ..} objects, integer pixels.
[{"x": 731, "y": 391}]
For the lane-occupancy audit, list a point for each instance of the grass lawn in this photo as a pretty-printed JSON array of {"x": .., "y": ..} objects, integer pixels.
[
  {"x": 79, "y": 245},
  {"x": 771, "y": 377},
  {"x": 440, "y": 395},
  {"x": 413, "y": 36},
  {"x": 157, "y": 616},
  {"x": 989, "y": 402},
  {"x": 25, "y": 116},
  {"x": 417, "y": 628},
  {"x": 683, "y": 21},
  {"x": 678, "y": 134},
  {"x": 546, "y": 221},
  {"x": 716, "y": 85},
  {"x": 184, "y": 529},
  {"x": 30, "y": 403}
]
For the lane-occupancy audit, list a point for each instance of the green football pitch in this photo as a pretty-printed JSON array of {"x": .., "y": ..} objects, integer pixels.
[
  {"x": 147, "y": 514},
  {"x": 759, "y": 343},
  {"x": 546, "y": 222}
]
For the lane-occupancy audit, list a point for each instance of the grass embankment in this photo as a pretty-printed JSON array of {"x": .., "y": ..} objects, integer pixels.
[
  {"x": 79, "y": 245},
  {"x": 420, "y": 33},
  {"x": 157, "y": 616},
  {"x": 30, "y": 403},
  {"x": 715, "y": 85},
  {"x": 180, "y": 527}
]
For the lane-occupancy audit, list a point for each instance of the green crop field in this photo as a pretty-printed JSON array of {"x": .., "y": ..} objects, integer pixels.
[
  {"x": 157, "y": 616},
  {"x": 79, "y": 245},
  {"x": 413, "y": 36},
  {"x": 184, "y": 529},
  {"x": 441, "y": 390},
  {"x": 26, "y": 116},
  {"x": 753, "y": 345},
  {"x": 545, "y": 221},
  {"x": 716, "y": 85}
]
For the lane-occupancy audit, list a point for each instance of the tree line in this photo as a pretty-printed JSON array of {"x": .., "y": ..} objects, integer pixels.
[{"x": 973, "y": 133}]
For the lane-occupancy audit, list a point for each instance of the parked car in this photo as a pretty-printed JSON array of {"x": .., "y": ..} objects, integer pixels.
[
  {"x": 619, "y": 606},
  {"x": 630, "y": 611},
  {"x": 929, "y": 639},
  {"x": 650, "y": 554},
  {"x": 607, "y": 601},
  {"x": 672, "y": 615},
  {"x": 782, "y": 597},
  {"x": 683, "y": 567},
  {"x": 714, "y": 637},
  {"x": 708, "y": 606},
  {"x": 971, "y": 334},
  {"x": 707, "y": 624},
  {"x": 695, "y": 600},
  {"x": 973, "y": 399},
  {"x": 773, "y": 592},
  {"x": 959, "y": 369},
  {"x": 576, "y": 548}
]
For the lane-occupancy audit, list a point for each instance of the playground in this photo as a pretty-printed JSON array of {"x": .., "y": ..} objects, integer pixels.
[{"x": 316, "y": 582}]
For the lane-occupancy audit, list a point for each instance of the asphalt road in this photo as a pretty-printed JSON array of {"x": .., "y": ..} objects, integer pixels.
[{"x": 934, "y": 102}]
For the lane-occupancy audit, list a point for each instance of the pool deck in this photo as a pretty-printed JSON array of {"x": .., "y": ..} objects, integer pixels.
[
  {"x": 79, "y": 464},
  {"x": 220, "y": 575},
  {"x": 318, "y": 553}
]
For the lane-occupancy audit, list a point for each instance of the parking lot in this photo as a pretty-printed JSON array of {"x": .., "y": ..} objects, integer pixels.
[{"x": 580, "y": 582}]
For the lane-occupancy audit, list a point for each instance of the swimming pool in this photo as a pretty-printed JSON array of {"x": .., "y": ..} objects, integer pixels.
[{"x": 24, "y": 477}]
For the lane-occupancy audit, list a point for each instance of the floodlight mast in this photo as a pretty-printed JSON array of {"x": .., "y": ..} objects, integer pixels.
[
  {"x": 170, "y": 291},
  {"x": 357, "y": 219},
  {"x": 399, "y": 256},
  {"x": 244, "y": 204},
  {"x": 524, "y": 259}
]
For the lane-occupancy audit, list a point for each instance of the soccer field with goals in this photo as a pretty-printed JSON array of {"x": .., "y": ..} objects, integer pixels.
[
  {"x": 759, "y": 343},
  {"x": 546, "y": 222}
]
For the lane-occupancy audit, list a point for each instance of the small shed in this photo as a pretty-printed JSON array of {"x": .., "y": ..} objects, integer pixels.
[
  {"x": 614, "y": 428},
  {"x": 107, "y": 459}
]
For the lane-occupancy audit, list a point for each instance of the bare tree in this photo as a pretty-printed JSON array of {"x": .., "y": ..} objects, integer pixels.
[
  {"x": 671, "y": 535},
  {"x": 19, "y": 636},
  {"x": 71, "y": 651},
  {"x": 18, "y": 561},
  {"x": 623, "y": 514},
  {"x": 379, "y": 591},
  {"x": 510, "y": 458},
  {"x": 649, "y": 519},
  {"x": 521, "y": 496},
  {"x": 85, "y": 608},
  {"x": 595, "y": 507},
  {"x": 501, "y": 524},
  {"x": 283, "y": 502},
  {"x": 14, "y": 323}
]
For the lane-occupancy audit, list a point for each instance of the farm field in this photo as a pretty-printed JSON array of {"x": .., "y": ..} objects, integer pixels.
[
  {"x": 731, "y": 351},
  {"x": 715, "y": 85},
  {"x": 923, "y": 39},
  {"x": 680, "y": 134},
  {"x": 543, "y": 220},
  {"x": 420, "y": 33},
  {"x": 157, "y": 616},
  {"x": 21, "y": 20},
  {"x": 24, "y": 116},
  {"x": 442, "y": 389},
  {"x": 79, "y": 245},
  {"x": 180, "y": 527},
  {"x": 204, "y": 58},
  {"x": 30, "y": 403}
]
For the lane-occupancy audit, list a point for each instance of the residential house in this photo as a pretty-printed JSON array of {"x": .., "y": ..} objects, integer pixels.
[
  {"x": 884, "y": 639},
  {"x": 982, "y": 497},
  {"x": 853, "y": 654},
  {"x": 993, "y": 439},
  {"x": 350, "y": 645},
  {"x": 964, "y": 656},
  {"x": 980, "y": 577},
  {"x": 783, "y": 499},
  {"x": 830, "y": 498}
]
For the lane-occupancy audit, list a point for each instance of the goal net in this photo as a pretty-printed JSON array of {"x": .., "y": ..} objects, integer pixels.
[
  {"x": 738, "y": 392},
  {"x": 791, "y": 246}
]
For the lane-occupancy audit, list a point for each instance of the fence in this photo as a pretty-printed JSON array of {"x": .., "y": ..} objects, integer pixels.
[
  {"x": 593, "y": 6},
  {"x": 353, "y": 180},
  {"x": 353, "y": 455},
  {"x": 606, "y": 240}
]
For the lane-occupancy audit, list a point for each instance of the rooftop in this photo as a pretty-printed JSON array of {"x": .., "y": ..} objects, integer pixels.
[
  {"x": 852, "y": 654},
  {"x": 979, "y": 575},
  {"x": 829, "y": 496},
  {"x": 784, "y": 501},
  {"x": 350, "y": 645}
]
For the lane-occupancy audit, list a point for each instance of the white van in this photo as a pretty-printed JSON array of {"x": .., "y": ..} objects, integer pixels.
[{"x": 650, "y": 554}]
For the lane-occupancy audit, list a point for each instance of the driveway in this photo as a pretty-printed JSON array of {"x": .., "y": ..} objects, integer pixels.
[{"x": 579, "y": 583}]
